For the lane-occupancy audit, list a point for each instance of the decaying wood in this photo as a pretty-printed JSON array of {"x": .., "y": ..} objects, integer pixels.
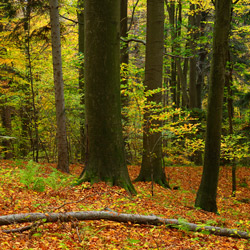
[{"x": 119, "y": 217}]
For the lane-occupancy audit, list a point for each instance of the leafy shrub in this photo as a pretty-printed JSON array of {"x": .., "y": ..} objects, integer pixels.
[{"x": 32, "y": 176}]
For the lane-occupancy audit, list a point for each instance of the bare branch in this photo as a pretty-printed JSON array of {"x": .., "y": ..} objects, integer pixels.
[
  {"x": 133, "y": 40},
  {"x": 235, "y": 2},
  {"x": 133, "y": 13},
  {"x": 69, "y": 19}
]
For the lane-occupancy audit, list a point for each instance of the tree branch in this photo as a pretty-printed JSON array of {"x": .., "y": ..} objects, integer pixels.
[
  {"x": 71, "y": 20},
  {"x": 119, "y": 217},
  {"x": 132, "y": 16},
  {"x": 144, "y": 43},
  {"x": 236, "y": 2},
  {"x": 133, "y": 40}
]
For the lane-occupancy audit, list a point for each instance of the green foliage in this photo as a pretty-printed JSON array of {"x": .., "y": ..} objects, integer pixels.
[
  {"x": 31, "y": 177},
  {"x": 234, "y": 147},
  {"x": 182, "y": 133}
]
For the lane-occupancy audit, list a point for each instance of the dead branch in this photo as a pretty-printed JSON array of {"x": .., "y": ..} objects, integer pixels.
[{"x": 119, "y": 217}]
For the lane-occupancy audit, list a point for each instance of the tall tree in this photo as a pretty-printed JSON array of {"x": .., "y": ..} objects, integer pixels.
[
  {"x": 192, "y": 62},
  {"x": 62, "y": 147},
  {"x": 80, "y": 16},
  {"x": 172, "y": 21},
  {"x": 6, "y": 11},
  {"x": 105, "y": 146},
  {"x": 124, "y": 59},
  {"x": 206, "y": 195},
  {"x": 152, "y": 167}
]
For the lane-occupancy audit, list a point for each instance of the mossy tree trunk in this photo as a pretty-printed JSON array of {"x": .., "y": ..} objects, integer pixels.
[
  {"x": 105, "y": 146},
  {"x": 206, "y": 195},
  {"x": 152, "y": 168}
]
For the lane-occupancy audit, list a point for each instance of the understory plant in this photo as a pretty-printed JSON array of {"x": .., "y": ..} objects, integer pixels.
[{"x": 32, "y": 176}]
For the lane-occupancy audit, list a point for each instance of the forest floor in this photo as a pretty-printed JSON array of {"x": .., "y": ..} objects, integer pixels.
[{"x": 17, "y": 196}]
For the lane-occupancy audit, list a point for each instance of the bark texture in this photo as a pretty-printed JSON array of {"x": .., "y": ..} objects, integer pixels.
[
  {"x": 105, "y": 146},
  {"x": 62, "y": 146},
  {"x": 80, "y": 16},
  {"x": 206, "y": 196},
  {"x": 152, "y": 167},
  {"x": 119, "y": 217}
]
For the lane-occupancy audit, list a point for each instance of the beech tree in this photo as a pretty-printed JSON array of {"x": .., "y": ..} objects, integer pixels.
[
  {"x": 152, "y": 166},
  {"x": 105, "y": 147},
  {"x": 80, "y": 17},
  {"x": 206, "y": 195},
  {"x": 62, "y": 147}
]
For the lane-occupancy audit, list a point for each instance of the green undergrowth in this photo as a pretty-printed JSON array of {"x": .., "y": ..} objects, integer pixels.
[{"x": 34, "y": 177}]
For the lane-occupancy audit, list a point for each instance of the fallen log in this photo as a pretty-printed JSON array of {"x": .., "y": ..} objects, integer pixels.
[{"x": 119, "y": 217}]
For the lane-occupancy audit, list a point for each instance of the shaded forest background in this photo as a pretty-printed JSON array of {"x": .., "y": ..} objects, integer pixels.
[
  {"x": 61, "y": 78},
  {"x": 28, "y": 124}
]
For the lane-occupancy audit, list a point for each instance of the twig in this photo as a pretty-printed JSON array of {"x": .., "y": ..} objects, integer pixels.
[{"x": 77, "y": 232}]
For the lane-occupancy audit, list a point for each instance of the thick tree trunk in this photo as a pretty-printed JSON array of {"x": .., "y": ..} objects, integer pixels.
[
  {"x": 63, "y": 158},
  {"x": 118, "y": 217},
  {"x": 105, "y": 146},
  {"x": 206, "y": 196},
  {"x": 152, "y": 167}
]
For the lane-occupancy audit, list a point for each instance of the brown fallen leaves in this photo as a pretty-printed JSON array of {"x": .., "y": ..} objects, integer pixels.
[{"x": 178, "y": 204}]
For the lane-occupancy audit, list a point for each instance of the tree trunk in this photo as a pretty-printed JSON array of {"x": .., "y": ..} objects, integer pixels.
[
  {"x": 6, "y": 123},
  {"x": 201, "y": 59},
  {"x": 206, "y": 195},
  {"x": 80, "y": 15},
  {"x": 26, "y": 109},
  {"x": 105, "y": 146},
  {"x": 152, "y": 168},
  {"x": 171, "y": 13},
  {"x": 63, "y": 160},
  {"x": 124, "y": 64},
  {"x": 118, "y": 217},
  {"x": 192, "y": 64}
]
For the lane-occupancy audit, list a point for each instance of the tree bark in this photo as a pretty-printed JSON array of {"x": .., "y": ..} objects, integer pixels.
[
  {"x": 105, "y": 146},
  {"x": 6, "y": 123},
  {"x": 171, "y": 12},
  {"x": 152, "y": 168},
  {"x": 63, "y": 158},
  {"x": 80, "y": 16},
  {"x": 119, "y": 217},
  {"x": 192, "y": 63},
  {"x": 206, "y": 195},
  {"x": 124, "y": 59}
]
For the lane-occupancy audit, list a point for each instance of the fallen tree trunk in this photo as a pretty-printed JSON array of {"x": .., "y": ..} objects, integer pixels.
[{"x": 119, "y": 217}]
